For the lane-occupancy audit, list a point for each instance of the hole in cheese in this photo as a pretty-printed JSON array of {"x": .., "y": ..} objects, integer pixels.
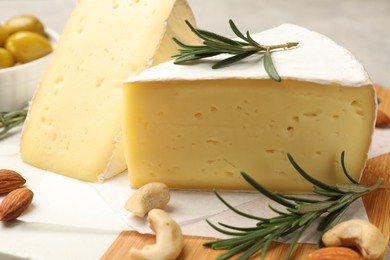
[
  {"x": 357, "y": 107},
  {"x": 198, "y": 116}
]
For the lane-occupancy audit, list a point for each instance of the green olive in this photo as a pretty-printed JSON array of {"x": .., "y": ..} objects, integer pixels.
[
  {"x": 6, "y": 59},
  {"x": 3, "y": 35},
  {"x": 27, "y": 46},
  {"x": 24, "y": 22}
]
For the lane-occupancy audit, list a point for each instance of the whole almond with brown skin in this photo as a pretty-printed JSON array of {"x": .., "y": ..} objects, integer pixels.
[
  {"x": 382, "y": 119},
  {"x": 334, "y": 253},
  {"x": 10, "y": 180},
  {"x": 15, "y": 203}
]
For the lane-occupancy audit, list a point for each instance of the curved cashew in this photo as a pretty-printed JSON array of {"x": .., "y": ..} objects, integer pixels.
[
  {"x": 150, "y": 196},
  {"x": 169, "y": 239},
  {"x": 362, "y": 234}
]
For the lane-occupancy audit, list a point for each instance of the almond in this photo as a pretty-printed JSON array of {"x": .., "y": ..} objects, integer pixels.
[
  {"x": 382, "y": 119},
  {"x": 334, "y": 253},
  {"x": 10, "y": 180},
  {"x": 15, "y": 203}
]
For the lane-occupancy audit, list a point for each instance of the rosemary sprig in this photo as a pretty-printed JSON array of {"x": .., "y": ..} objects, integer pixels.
[
  {"x": 299, "y": 215},
  {"x": 215, "y": 44},
  {"x": 9, "y": 120}
]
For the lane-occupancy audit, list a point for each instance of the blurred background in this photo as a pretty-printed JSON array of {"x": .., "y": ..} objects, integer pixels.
[{"x": 359, "y": 25}]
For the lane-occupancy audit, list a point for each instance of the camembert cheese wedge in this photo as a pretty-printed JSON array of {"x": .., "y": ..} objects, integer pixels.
[
  {"x": 192, "y": 127},
  {"x": 73, "y": 126}
]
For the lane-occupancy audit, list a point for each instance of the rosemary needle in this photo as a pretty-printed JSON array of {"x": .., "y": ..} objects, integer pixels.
[
  {"x": 9, "y": 120},
  {"x": 215, "y": 44},
  {"x": 300, "y": 214}
]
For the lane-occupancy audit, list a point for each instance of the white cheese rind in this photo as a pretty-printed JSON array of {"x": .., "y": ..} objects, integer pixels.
[
  {"x": 74, "y": 123},
  {"x": 316, "y": 59}
]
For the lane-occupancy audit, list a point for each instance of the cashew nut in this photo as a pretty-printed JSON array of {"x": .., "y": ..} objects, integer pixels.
[
  {"x": 169, "y": 239},
  {"x": 362, "y": 234},
  {"x": 150, "y": 196}
]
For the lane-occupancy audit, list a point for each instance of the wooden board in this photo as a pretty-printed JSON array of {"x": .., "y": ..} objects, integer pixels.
[{"x": 377, "y": 205}]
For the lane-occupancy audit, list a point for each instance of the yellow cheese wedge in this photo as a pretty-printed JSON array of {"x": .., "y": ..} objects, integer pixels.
[
  {"x": 192, "y": 127},
  {"x": 73, "y": 126}
]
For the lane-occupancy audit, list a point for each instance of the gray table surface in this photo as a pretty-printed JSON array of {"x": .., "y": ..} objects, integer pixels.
[{"x": 359, "y": 25}]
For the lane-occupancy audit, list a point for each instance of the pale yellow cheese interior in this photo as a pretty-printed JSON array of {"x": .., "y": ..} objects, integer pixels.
[
  {"x": 73, "y": 127},
  {"x": 201, "y": 134}
]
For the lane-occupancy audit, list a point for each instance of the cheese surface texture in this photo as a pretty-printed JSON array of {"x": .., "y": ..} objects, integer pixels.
[
  {"x": 192, "y": 127},
  {"x": 73, "y": 126}
]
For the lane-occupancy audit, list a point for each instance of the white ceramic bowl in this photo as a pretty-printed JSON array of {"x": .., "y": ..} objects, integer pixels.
[{"x": 18, "y": 83}]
